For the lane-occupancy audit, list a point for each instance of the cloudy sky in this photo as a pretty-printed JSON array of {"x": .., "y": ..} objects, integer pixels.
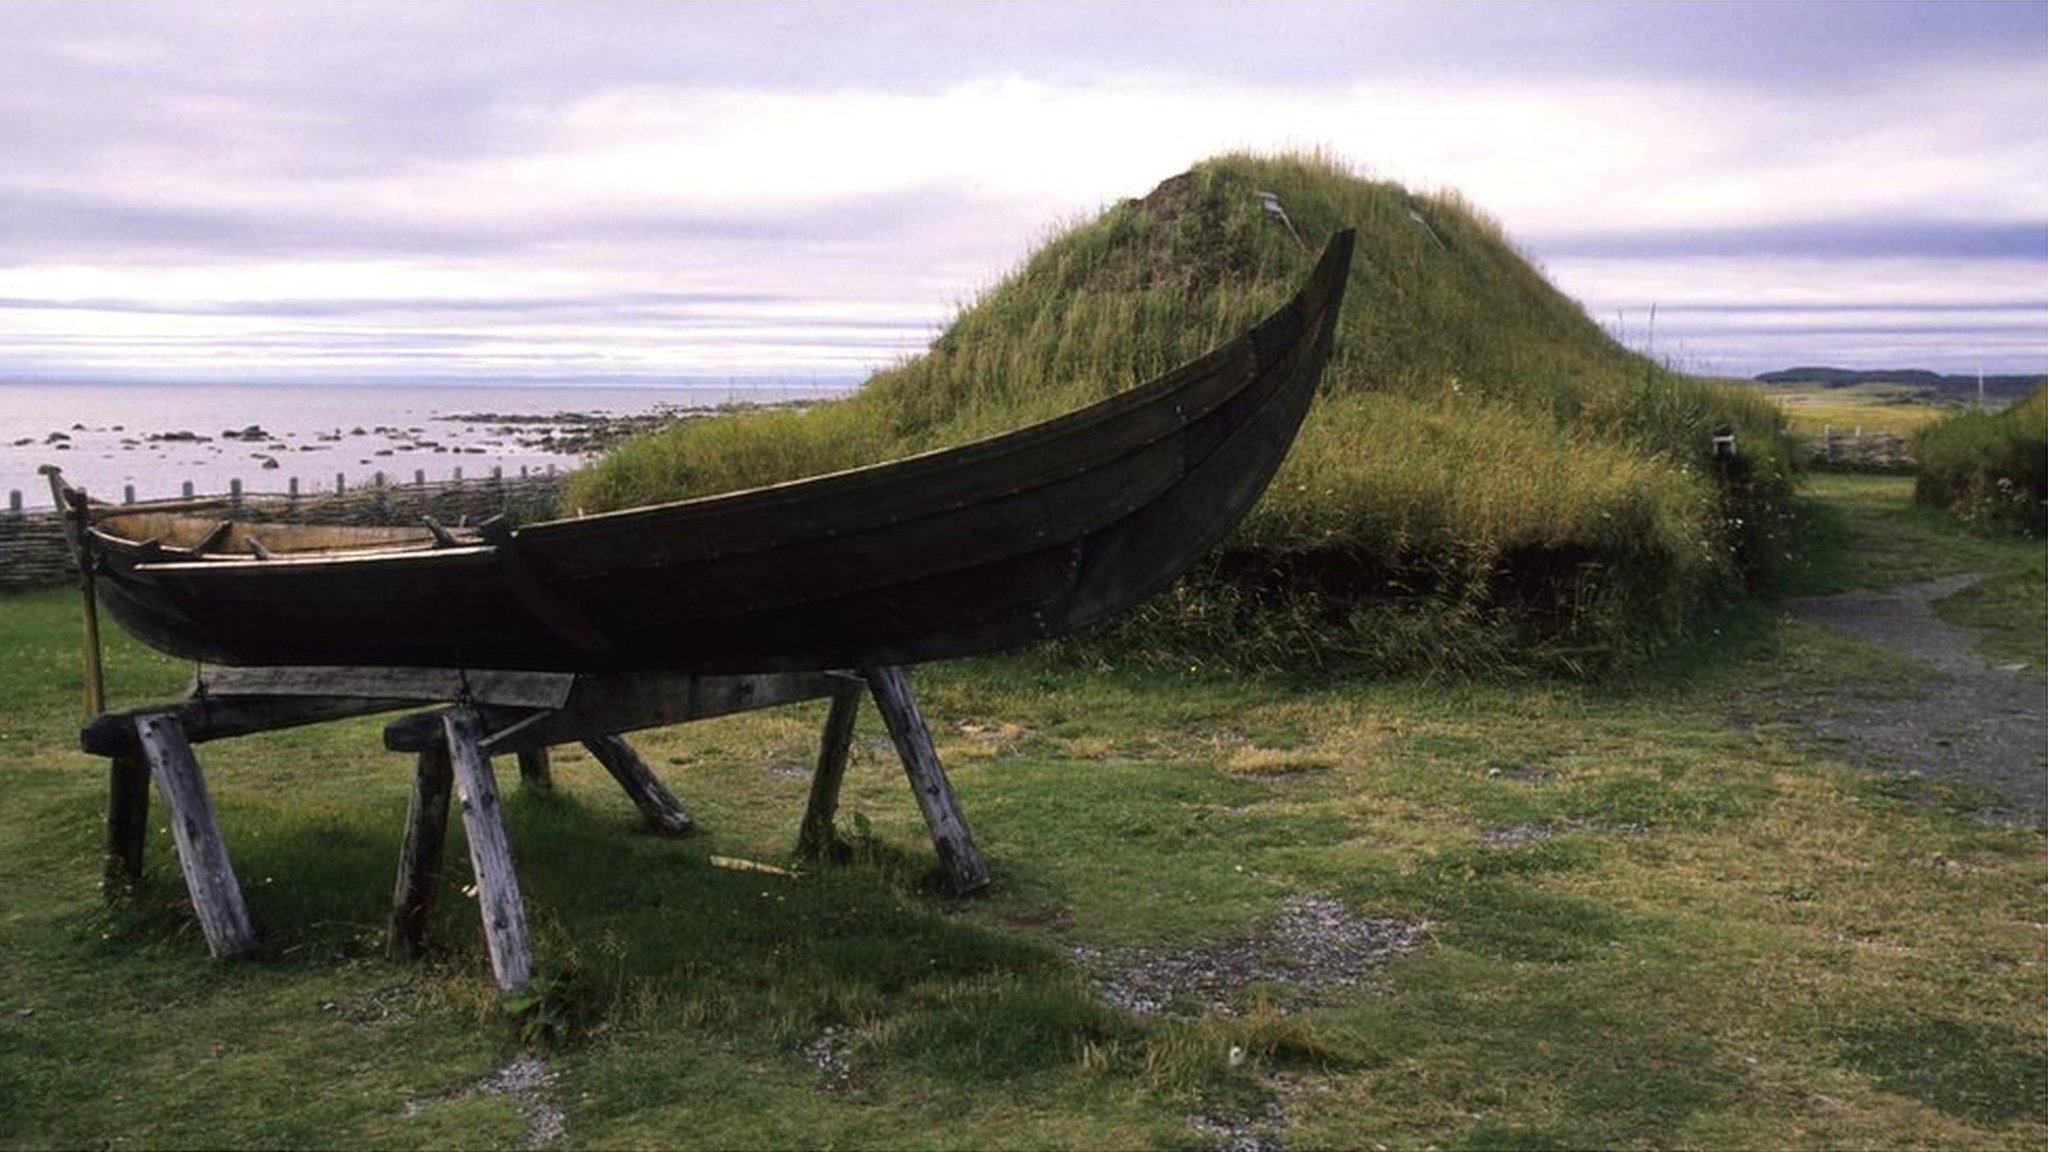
[{"x": 652, "y": 191}]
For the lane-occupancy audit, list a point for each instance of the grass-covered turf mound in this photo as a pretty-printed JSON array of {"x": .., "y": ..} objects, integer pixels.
[
  {"x": 1991, "y": 468},
  {"x": 1488, "y": 480}
]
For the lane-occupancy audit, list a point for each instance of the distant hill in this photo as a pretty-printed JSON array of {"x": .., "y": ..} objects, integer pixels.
[{"x": 1946, "y": 387}]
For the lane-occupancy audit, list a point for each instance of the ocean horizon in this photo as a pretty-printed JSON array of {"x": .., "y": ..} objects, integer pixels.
[{"x": 148, "y": 441}]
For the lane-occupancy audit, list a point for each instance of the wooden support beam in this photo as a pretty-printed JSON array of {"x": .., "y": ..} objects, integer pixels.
[
  {"x": 661, "y": 810},
  {"x": 127, "y": 820},
  {"x": 535, "y": 772},
  {"x": 490, "y": 850},
  {"x": 628, "y": 702},
  {"x": 419, "y": 857},
  {"x": 950, "y": 836},
  {"x": 407, "y": 685},
  {"x": 815, "y": 838},
  {"x": 616, "y": 704},
  {"x": 203, "y": 855},
  {"x": 214, "y": 718}
]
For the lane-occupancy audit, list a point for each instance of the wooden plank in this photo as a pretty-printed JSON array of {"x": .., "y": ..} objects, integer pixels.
[
  {"x": 490, "y": 851},
  {"x": 535, "y": 771},
  {"x": 412, "y": 685},
  {"x": 203, "y": 855},
  {"x": 113, "y": 733},
  {"x": 661, "y": 809},
  {"x": 419, "y": 857},
  {"x": 950, "y": 836},
  {"x": 815, "y": 838},
  {"x": 127, "y": 820}
]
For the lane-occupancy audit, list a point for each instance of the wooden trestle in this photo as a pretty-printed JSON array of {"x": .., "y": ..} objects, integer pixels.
[{"x": 474, "y": 716}]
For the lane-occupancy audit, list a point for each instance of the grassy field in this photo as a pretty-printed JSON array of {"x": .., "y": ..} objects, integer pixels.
[
  {"x": 1812, "y": 410},
  {"x": 1640, "y": 914}
]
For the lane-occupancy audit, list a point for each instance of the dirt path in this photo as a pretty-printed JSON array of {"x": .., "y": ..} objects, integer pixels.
[{"x": 1975, "y": 724}]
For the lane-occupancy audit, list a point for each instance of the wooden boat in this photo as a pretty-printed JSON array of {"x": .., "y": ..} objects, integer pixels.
[{"x": 992, "y": 544}]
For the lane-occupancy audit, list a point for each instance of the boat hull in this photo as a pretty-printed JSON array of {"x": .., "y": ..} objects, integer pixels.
[{"x": 989, "y": 545}]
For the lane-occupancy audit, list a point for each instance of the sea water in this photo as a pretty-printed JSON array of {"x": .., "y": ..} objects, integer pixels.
[{"x": 156, "y": 438}]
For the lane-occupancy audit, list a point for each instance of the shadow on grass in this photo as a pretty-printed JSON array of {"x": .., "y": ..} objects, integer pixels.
[{"x": 1982, "y": 1072}]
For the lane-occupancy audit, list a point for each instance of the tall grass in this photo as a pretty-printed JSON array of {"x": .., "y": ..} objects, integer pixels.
[
  {"x": 1486, "y": 467},
  {"x": 1989, "y": 468}
]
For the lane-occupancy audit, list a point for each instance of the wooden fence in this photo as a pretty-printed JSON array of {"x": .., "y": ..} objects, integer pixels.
[
  {"x": 33, "y": 553},
  {"x": 1859, "y": 451}
]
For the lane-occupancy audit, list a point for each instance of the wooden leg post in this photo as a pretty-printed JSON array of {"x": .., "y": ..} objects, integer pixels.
[
  {"x": 203, "y": 855},
  {"x": 419, "y": 858},
  {"x": 815, "y": 839},
  {"x": 535, "y": 771},
  {"x": 664, "y": 814},
  {"x": 127, "y": 820},
  {"x": 957, "y": 855},
  {"x": 490, "y": 851}
]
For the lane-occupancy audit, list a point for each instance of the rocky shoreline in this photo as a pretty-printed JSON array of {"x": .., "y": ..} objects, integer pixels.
[{"x": 588, "y": 434}]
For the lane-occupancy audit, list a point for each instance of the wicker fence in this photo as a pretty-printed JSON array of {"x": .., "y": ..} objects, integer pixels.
[{"x": 33, "y": 553}]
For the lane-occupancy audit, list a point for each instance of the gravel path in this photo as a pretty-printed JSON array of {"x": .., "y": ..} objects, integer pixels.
[{"x": 1975, "y": 724}]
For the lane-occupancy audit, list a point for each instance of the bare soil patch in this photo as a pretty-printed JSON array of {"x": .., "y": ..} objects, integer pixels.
[{"x": 1315, "y": 947}]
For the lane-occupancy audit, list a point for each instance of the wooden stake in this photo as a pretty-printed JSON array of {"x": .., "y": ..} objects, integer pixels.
[
  {"x": 535, "y": 771},
  {"x": 419, "y": 858},
  {"x": 661, "y": 810},
  {"x": 95, "y": 669},
  {"x": 77, "y": 519},
  {"x": 203, "y": 855},
  {"x": 955, "y": 845},
  {"x": 490, "y": 851},
  {"x": 127, "y": 820},
  {"x": 815, "y": 839}
]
